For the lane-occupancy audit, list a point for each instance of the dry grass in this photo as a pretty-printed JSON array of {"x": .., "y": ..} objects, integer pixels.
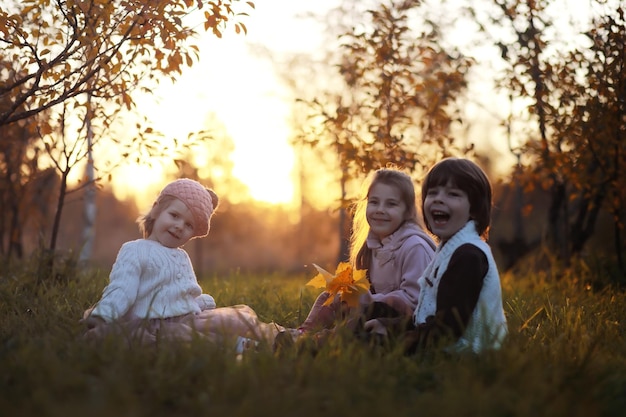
[{"x": 564, "y": 356}]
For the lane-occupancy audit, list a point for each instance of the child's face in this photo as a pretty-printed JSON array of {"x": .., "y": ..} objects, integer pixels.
[
  {"x": 447, "y": 210},
  {"x": 174, "y": 226},
  {"x": 386, "y": 209}
]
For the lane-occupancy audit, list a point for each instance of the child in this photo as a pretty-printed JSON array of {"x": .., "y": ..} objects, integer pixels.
[
  {"x": 386, "y": 241},
  {"x": 460, "y": 296},
  {"x": 153, "y": 293}
]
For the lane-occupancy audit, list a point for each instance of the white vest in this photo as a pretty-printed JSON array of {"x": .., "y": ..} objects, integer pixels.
[{"x": 487, "y": 326}]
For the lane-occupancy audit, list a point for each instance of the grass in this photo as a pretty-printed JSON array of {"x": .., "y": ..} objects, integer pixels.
[{"x": 564, "y": 356}]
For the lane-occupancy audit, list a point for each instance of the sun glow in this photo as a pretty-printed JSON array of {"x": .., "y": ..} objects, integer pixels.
[
  {"x": 249, "y": 107},
  {"x": 263, "y": 159},
  {"x": 242, "y": 90},
  {"x": 140, "y": 183}
]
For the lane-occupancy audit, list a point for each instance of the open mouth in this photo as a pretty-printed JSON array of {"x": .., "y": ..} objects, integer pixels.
[{"x": 440, "y": 217}]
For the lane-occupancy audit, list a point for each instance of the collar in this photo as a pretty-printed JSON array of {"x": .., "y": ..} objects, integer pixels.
[{"x": 394, "y": 240}]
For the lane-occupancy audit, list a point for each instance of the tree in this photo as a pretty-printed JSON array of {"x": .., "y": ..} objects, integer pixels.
[
  {"x": 396, "y": 103},
  {"x": 73, "y": 61},
  {"x": 576, "y": 105},
  {"x": 60, "y": 50},
  {"x": 24, "y": 184},
  {"x": 18, "y": 172}
]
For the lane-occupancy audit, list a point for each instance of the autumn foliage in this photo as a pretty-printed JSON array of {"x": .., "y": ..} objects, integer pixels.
[
  {"x": 53, "y": 51},
  {"x": 68, "y": 72}
]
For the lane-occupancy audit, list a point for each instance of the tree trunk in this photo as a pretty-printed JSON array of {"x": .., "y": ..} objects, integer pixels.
[{"x": 89, "y": 212}]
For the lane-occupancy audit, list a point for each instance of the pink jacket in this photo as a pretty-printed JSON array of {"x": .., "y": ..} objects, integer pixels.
[{"x": 397, "y": 262}]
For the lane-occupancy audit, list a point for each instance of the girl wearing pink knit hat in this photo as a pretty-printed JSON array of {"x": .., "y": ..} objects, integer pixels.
[{"x": 153, "y": 293}]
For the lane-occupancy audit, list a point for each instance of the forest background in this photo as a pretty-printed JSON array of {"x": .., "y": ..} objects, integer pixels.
[{"x": 401, "y": 82}]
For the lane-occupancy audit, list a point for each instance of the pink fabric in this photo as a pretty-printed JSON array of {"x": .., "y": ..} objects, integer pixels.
[
  {"x": 219, "y": 325},
  {"x": 397, "y": 263}
]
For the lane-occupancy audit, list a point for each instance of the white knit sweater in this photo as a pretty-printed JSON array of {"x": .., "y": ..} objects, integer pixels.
[
  {"x": 149, "y": 280},
  {"x": 487, "y": 326}
]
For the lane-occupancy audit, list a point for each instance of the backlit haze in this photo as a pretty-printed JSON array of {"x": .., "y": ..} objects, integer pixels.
[
  {"x": 240, "y": 90},
  {"x": 243, "y": 93}
]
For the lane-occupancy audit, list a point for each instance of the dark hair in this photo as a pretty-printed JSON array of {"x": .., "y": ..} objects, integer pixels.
[{"x": 469, "y": 177}]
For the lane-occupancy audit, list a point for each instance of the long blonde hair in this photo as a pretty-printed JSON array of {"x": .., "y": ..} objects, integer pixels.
[{"x": 360, "y": 254}]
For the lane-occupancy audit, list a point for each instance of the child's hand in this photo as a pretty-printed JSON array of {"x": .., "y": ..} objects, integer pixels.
[
  {"x": 92, "y": 321},
  {"x": 365, "y": 299},
  {"x": 87, "y": 313},
  {"x": 396, "y": 303},
  {"x": 206, "y": 302},
  {"x": 375, "y": 326}
]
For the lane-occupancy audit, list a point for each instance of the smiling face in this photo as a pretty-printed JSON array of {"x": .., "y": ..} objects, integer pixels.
[
  {"x": 446, "y": 210},
  {"x": 386, "y": 210},
  {"x": 174, "y": 226}
]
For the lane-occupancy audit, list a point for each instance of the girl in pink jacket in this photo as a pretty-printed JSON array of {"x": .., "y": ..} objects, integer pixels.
[{"x": 389, "y": 243}]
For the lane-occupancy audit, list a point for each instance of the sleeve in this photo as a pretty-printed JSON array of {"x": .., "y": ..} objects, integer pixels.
[
  {"x": 206, "y": 302},
  {"x": 457, "y": 296},
  {"x": 460, "y": 287},
  {"x": 413, "y": 264},
  {"x": 121, "y": 292}
]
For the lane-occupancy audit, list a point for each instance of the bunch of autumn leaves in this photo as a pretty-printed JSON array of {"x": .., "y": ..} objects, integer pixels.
[{"x": 347, "y": 283}]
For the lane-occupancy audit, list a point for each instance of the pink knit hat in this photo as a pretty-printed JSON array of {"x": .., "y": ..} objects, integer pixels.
[{"x": 197, "y": 198}]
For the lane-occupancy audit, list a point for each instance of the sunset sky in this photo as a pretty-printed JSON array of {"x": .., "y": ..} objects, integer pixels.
[{"x": 241, "y": 89}]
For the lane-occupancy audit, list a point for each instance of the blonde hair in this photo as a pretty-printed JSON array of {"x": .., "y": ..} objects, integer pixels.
[
  {"x": 146, "y": 222},
  {"x": 360, "y": 254}
]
